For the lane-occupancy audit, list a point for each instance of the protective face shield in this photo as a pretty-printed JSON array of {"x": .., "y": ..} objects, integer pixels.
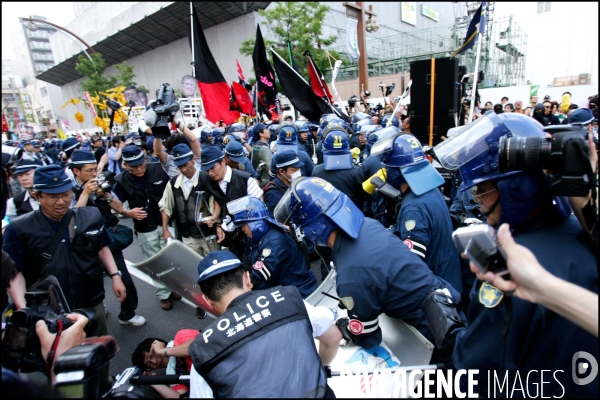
[
  {"x": 247, "y": 209},
  {"x": 385, "y": 119},
  {"x": 358, "y": 116},
  {"x": 229, "y": 138},
  {"x": 336, "y": 149},
  {"x": 236, "y": 127},
  {"x": 205, "y": 134},
  {"x": 407, "y": 155},
  {"x": 474, "y": 149},
  {"x": 325, "y": 119},
  {"x": 383, "y": 139},
  {"x": 361, "y": 124},
  {"x": 301, "y": 126},
  {"x": 311, "y": 198}
]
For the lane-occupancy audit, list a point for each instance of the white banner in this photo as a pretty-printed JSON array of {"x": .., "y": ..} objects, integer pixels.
[{"x": 352, "y": 42}]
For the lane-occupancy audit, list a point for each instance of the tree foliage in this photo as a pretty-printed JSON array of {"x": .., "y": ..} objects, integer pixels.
[
  {"x": 97, "y": 81},
  {"x": 300, "y": 23}
]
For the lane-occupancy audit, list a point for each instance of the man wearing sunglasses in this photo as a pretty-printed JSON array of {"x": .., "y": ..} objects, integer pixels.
[{"x": 552, "y": 119}]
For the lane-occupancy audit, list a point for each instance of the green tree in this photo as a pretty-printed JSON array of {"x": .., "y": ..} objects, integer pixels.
[
  {"x": 97, "y": 81},
  {"x": 299, "y": 26}
]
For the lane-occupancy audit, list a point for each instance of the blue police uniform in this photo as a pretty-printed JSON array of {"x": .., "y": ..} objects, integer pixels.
[
  {"x": 425, "y": 227},
  {"x": 273, "y": 193},
  {"x": 277, "y": 260},
  {"x": 536, "y": 339},
  {"x": 248, "y": 167},
  {"x": 349, "y": 181},
  {"x": 379, "y": 283}
]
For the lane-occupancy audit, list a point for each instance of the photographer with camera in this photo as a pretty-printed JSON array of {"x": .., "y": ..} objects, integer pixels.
[
  {"x": 500, "y": 326},
  {"x": 90, "y": 188},
  {"x": 142, "y": 184}
]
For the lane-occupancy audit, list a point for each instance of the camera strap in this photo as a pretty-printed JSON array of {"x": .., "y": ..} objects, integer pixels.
[{"x": 52, "y": 352}]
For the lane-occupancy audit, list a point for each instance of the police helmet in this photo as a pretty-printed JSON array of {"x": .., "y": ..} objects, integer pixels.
[
  {"x": 357, "y": 127},
  {"x": 236, "y": 127},
  {"x": 301, "y": 126},
  {"x": 252, "y": 211},
  {"x": 474, "y": 149},
  {"x": 407, "y": 155},
  {"x": 336, "y": 149},
  {"x": 339, "y": 121},
  {"x": 287, "y": 133},
  {"x": 358, "y": 116},
  {"x": 230, "y": 138},
  {"x": 205, "y": 133},
  {"x": 325, "y": 119},
  {"x": 386, "y": 118},
  {"x": 319, "y": 209}
]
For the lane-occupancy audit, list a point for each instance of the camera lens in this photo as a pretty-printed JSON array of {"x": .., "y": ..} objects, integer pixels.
[{"x": 524, "y": 153}]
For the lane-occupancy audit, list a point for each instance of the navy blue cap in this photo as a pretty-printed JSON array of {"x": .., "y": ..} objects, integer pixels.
[
  {"x": 210, "y": 156},
  {"x": 181, "y": 154},
  {"x": 235, "y": 151},
  {"x": 256, "y": 129},
  {"x": 132, "y": 155},
  {"x": 70, "y": 144},
  {"x": 82, "y": 157},
  {"x": 51, "y": 179},
  {"x": 581, "y": 116},
  {"x": 287, "y": 158},
  {"x": 36, "y": 144},
  {"x": 217, "y": 262},
  {"x": 25, "y": 164},
  {"x": 26, "y": 142},
  {"x": 150, "y": 142}
]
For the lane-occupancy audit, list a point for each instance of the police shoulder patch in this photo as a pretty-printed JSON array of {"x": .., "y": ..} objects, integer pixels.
[
  {"x": 266, "y": 253},
  {"x": 348, "y": 302},
  {"x": 490, "y": 296},
  {"x": 410, "y": 224}
]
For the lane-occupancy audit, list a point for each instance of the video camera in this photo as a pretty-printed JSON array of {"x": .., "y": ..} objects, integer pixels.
[
  {"x": 44, "y": 301},
  {"x": 162, "y": 112},
  {"x": 10, "y": 155},
  {"x": 353, "y": 100},
  {"x": 388, "y": 89},
  {"x": 565, "y": 155}
]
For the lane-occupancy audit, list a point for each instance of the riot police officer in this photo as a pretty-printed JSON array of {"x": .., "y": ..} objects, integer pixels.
[
  {"x": 375, "y": 272},
  {"x": 423, "y": 222},
  {"x": 261, "y": 153},
  {"x": 287, "y": 139},
  {"x": 338, "y": 168},
  {"x": 507, "y": 335},
  {"x": 275, "y": 257}
]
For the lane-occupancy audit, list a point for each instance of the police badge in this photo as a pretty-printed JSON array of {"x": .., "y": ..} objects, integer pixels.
[
  {"x": 410, "y": 224},
  {"x": 489, "y": 295}
]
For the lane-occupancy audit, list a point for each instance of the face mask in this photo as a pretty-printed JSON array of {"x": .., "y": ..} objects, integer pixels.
[{"x": 296, "y": 174}]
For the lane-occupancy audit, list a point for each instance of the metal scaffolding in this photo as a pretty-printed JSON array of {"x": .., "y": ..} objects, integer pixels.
[{"x": 502, "y": 52}]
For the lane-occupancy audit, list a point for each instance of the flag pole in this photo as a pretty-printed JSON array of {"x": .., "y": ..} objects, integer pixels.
[
  {"x": 192, "y": 38},
  {"x": 475, "y": 79}
]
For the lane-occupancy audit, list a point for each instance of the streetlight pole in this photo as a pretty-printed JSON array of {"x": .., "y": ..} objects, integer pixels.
[{"x": 33, "y": 21}]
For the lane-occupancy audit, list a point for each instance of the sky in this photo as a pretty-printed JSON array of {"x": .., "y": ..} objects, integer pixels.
[{"x": 59, "y": 13}]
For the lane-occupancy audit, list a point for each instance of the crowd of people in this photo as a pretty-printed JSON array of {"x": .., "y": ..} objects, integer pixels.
[{"x": 260, "y": 201}]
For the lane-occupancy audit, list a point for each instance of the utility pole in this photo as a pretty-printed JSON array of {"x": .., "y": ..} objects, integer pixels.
[{"x": 358, "y": 12}]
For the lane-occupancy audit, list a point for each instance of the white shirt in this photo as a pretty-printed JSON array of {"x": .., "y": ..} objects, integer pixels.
[
  {"x": 11, "y": 210},
  {"x": 252, "y": 188},
  {"x": 188, "y": 184},
  {"x": 321, "y": 319}
]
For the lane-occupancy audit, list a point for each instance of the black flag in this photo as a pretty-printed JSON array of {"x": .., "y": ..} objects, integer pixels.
[{"x": 266, "y": 90}]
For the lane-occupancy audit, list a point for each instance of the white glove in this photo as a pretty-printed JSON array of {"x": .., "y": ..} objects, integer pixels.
[{"x": 227, "y": 224}]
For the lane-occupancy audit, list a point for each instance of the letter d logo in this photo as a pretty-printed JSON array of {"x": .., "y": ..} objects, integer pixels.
[{"x": 583, "y": 367}]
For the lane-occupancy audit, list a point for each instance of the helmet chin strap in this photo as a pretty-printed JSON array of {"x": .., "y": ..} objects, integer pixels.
[{"x": 488, "y": 213}]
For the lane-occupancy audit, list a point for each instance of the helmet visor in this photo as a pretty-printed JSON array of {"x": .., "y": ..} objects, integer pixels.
[
  {"x": 466, "y": 144},
  {"x": 385, "y": 141},
  {"x": 283, "y": 210}
]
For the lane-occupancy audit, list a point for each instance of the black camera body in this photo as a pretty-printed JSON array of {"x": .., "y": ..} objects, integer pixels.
[
  {"x": 166, "y": 107},
  {"x": 21, "y": 348},
  {"x": 565, "y": 155},
  {"x": 103, "y": 184},
  {"x": 353, "y": 100}
]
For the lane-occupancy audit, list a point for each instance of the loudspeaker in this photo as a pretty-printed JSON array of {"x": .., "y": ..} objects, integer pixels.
[
  {"x": 446, "y": 91},
  {"x": 419, "y": 126}
]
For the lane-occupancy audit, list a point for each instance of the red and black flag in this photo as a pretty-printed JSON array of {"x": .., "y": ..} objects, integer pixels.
[
  {"x": 298, "y": 91},
  {"x": 317, "y": 80},
  {"x": 266, "y": 90},
  {"x": 213, "y": 87},
  {"x": 240, "y": 100},
  {"x": 241, "y": 79}
]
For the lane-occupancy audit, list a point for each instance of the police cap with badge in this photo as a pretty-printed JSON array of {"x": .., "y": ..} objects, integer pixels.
[
  {"x": 70, "y": 144},
  {"x": 25, "y": 164},
  {"x": 51, "y": 179},
  {"x": 210, "y": 156},
  {"x": 287, "y": 158},
  {"x": 133, "y": 155},
  {"x": 181, "y": 154},
  {"x": 215, "y": 263},
  {"x": 79, "y": 158},
  {"x": 235, "y": 151}
]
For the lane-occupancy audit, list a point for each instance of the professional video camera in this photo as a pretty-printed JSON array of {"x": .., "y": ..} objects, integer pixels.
[
  {"x": 162, "y": 112},
  {"x": 565, "y": 155},
  {"x": 388, "y": 89},
  {"x": 353, "y": 100},
  {"x": 10, "y": 155},
  {"x": 45, "y": 301}
]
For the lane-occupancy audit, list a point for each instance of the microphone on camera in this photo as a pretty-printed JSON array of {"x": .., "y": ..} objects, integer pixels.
[{"x": 150, "y": 118}]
